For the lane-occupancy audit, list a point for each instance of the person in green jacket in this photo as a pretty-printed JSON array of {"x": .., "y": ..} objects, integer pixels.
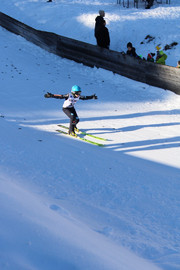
[
  {"x": 161, "y": 57},
  {"x": 178, "y": 64}
]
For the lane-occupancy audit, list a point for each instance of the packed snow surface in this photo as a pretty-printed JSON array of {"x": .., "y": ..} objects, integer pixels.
[{"x": 70, "y": 205}]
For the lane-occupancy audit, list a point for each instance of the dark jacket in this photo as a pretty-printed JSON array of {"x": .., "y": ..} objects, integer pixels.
[
  {"x": 103, "y": 39},
  {"x": 132, "y": 52},
  {"x": 98, "y": 23}
]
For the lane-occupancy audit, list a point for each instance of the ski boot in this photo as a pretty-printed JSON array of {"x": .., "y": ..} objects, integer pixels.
[
  {"x": 73, "y": 134},
  {"x": 76, "y": 129}
]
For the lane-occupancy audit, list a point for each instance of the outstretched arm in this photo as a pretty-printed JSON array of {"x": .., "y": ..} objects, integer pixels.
[
  {"x": 88, "y": 97},
  {"x": 49, "y": 95}
]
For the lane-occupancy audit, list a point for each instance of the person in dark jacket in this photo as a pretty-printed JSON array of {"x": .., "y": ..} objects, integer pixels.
[
  {"x": 99, "y": 22},
  {"x": 131, "y": 51},
  {"x": 103, "y": 39}
]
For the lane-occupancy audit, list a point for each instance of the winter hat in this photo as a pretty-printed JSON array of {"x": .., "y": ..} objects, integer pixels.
[
  {"x": 161, "y": 52},
  {"x": 101, "y": 13},
  {"x": 158, "y": 48},
  {"x": 129, "y": 45}
]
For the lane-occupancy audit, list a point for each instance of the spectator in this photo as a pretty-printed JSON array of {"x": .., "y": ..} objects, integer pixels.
[
  {"x": 150, "y": 57},
  {"x": 150, "y": 4},
  {"x": 178, "y": 64},
  {"x": 99, "y": 22},
  {"x": 103, "y": 39},
  {"x": 131, "y": 51},
  {"x": 161, "y": 56}
]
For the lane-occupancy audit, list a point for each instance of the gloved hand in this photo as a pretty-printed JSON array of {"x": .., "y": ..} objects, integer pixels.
[
  {"x": 48, "y": 95},
  {"x": 94, "y": 96}
]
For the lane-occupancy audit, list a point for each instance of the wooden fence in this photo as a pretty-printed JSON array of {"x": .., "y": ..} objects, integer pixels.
[{"x": 165, "y": 77}]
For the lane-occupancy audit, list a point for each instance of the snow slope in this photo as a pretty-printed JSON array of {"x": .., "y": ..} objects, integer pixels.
[{"x": 66, "y": 204}]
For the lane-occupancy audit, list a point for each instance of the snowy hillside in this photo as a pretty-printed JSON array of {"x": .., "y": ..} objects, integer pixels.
[
  {"x": 76, "y": 19},
  {"x": 67, "y": 204}
]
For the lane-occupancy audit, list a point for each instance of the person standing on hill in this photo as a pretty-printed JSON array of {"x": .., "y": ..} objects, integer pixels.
[
  {"x": 178, "y": 64},
  {"x": 103, "y": 39},
  {"x": 99, "y": 22},
  {"x": 131, "y": 51},
  {"x": 161, "y": 56}
]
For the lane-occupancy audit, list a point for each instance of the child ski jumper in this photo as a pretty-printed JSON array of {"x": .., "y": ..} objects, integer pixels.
[{"x": 68, "y": 105}]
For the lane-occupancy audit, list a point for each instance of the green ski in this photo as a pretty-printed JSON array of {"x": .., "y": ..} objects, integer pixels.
[
  {"x": 84, "y": 133},
  {"x": 80, "y": 138}
]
